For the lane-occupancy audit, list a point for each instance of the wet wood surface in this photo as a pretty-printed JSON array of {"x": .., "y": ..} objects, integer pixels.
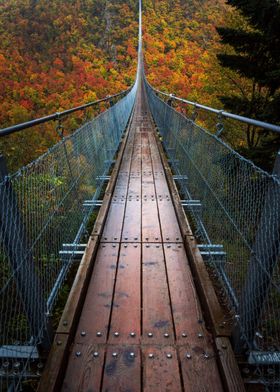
[{"x": 141, "y": 326}]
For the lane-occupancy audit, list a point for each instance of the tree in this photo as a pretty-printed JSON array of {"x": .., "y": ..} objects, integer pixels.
[{"x": 255, "y": 55}]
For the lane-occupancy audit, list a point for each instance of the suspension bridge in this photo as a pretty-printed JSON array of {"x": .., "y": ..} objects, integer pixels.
[{"x": 177, "y": 287}]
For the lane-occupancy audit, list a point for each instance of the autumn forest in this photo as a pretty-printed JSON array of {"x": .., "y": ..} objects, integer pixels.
[{"x": 55, "y": 55}]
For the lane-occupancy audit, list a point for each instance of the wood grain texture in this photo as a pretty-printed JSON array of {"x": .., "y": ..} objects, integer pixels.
[
  {"x": 157, "y": 317},
  {"x": 85, "y": 369},
  {"x": 231, "y": 375},
  {"x": 122, "y": 373},
  {"x": 97, "y": 306},
  {"x": 126, "y": 310},
  {"x": 200, "y": 373},
  {"x": 160, "y": 373}
]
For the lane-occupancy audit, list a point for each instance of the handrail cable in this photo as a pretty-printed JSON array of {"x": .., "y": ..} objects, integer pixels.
[
  {"x": 57, "y": 115},
  {"x": 247, "y": 120}
]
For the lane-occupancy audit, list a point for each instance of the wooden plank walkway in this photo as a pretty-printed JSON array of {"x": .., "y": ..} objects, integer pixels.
[{"x": 141, "y": 327}]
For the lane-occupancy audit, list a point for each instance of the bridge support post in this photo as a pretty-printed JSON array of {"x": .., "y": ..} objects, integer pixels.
[
  {"x": 15, "y": 243},
  {"x": 263, "y": 261}
]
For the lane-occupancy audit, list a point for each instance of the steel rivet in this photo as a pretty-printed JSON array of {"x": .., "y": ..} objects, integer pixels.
[
  {"x": 166, "y": 335},
  {"x": 116, "y": 334},
  {"x": 224, "y": 346},
  {"x": 200, "y": 335},
  {"x": 83, "y": 333},
  {"x": 135, "y": 238},
  {"x": 184, "y": 335},
  {"x": 156, "y": 238},
  {"x": 188, "y": 356},
  {"x": 132, "y": 334},
  {"x": 65, "y": 322},
  {"x": 151, "y": 355},
  {"x": 167, "y": 238},
  {"x": 114, "y": 355},
  {"x": 78, "y": 353},
  {"x": 150, "y": 334},
  {"x": 98, "y": 334},
  {"x": 169, "y": 355},
  {"x": 132, "y": 355},
  {"x": 168, "y": 246},
  {"x": 206, "y": 355},
  {"x": 95, "y": 354}
]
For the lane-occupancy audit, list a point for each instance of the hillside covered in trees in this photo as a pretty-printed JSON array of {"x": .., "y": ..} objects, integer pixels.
[{"x": 59, "y": 54}]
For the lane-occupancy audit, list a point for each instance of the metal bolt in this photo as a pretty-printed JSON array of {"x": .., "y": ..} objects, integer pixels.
[
  {"x": 114, "y": 355},
  {"x": 99, "y": 334},
  {"x": 59, "y": 342},
  {"x": 184, "y": 335},
  {"x": 95, "y": 354},
  {"x": 188, "y": 356},
  {"x": 40, "y": 365},
  {"x": 224, "y": 346},
  {"x": 151, "y": 355},
  {"x": 166, "y": 335},
  {"x": 65, "y": 322},
  {"x": 132, "y": 355},
  {"x": 200, "y": 335},
  {"x": 168, "y": 355},
  {"x": 168, "y": 246},
  {"x": 150, "y": 334},
  {"x": 206, "y": 356},
  {"x": 132, "y": 334},
  {"x": 83, "y": 333},
  {"x": 16, "y": 365},
  {"x": 78, "y": 353},
  {"x": 116, "y": 334}
]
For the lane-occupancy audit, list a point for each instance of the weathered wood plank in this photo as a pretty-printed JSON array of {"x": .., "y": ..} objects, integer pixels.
[
  {"x": 187, "y": 314},
  {"x": 85, "y": 369},
  {"x": 157, "y": 318},
  {"x": 122, "y": 372},
  {"x": 126, "y": 310},
  {"x": 161, "y": 370},
  {"x": 230, "y": 372},
  {"x": 94, "y": 320},
  {"x": 199, "y": 368}
]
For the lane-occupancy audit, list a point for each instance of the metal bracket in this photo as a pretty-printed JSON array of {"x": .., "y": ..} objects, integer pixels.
[
  {"x": 75, "y": 251},
  {"x": 264, "y": 358},
  {"x": 192, "y": 205},
  {"x": 92, "y": 203},
  {"x": 19, "y": 352},
  {"x": 212, "y": 253},
  {"x": 180, "y": 177},
  {"x": 102, "y": 178}
]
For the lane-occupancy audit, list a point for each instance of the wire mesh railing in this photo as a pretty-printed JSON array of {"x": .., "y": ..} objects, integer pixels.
[
  {"x": 235, "y": 209},
  {"x": 42, "y": 210}
]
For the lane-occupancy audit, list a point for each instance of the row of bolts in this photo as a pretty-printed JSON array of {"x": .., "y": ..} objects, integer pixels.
[{"x": 132, "y": 355}]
